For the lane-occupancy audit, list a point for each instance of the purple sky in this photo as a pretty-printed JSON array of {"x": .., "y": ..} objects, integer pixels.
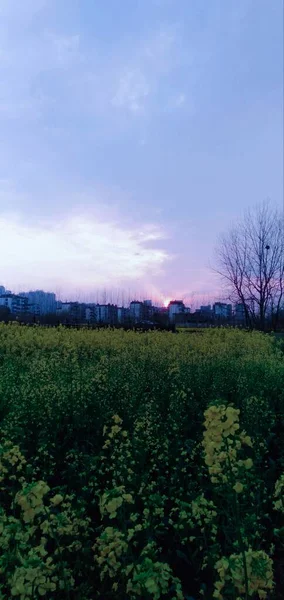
[{"x": 132, "y": 134}]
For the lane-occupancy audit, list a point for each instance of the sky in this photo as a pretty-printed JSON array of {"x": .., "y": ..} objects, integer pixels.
[{"x": 132, "y": 133}]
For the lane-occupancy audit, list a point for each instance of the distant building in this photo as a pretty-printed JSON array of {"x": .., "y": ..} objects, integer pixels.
[
  {"x": 107, "y": 314},
  {"x": 45, "y": 301},
  {"x": 141, "y": 312},
  {"x": 91, "y": 313},
  {"x": 73, "y": 311},
  {"x": 2, "y": 290},
  {"x": 34, "y": 309},
  {"x": 136, "y": 309},
  {"x": 222, "y": 310},
  {"x": 160, "y": 316},
  {"x": 16, "y": 304},
  {"x": 175, "y": 307},
  {"x": 148, "y": 310},
  {"x": 123, "y": 315},
  {"x": 182, "y": 319},
  {"x": 63, "y": 307},
  {"x": 160, "y": 309},
  {"x": 206, "y": 310}
]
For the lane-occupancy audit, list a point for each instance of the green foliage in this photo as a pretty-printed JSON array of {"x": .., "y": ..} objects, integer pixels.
[{"x": 140, "y": 465}]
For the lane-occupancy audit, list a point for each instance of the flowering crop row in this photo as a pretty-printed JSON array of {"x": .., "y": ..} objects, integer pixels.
[{"x": 141, "y": 465}]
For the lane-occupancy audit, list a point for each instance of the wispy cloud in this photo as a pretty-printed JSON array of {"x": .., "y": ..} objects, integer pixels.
[
  {"x": 139, "y": 79},
  {"x": 132, "y": 91},
  {"x": 77, "y": 251},
  {"x": 180, "y": 100},
  {"x": 66, "y": 48},
  {"x": 159, "y": 47},
  {"x": 43, "y": 66}
]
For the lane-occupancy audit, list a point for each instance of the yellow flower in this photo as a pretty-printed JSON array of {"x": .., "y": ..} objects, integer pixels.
[
  {"x": 57, "y": 499},
  {"x": 127, "y": 497},
  {"x": 238, "y": 487},
  {"x": 117, "y": 419},
  {"x": 247, "y": 440}
]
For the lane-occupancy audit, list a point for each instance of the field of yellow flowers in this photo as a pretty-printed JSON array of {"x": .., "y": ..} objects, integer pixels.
[{"x": 141, "y": 465}]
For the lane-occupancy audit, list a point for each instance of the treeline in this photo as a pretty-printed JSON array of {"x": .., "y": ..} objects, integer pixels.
[{"x": 53, "y": 320}]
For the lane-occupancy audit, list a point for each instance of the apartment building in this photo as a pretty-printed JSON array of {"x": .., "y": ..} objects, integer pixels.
[{"x": 16, "y": 304}]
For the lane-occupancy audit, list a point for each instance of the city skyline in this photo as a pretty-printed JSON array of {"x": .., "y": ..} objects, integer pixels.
[
  {"x": 132, "y": 135},
  {"x": 117, "y": 297},
  {"x": 38, "y": 306}
]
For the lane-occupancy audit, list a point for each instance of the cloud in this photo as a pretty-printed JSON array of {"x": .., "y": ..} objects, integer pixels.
[
  {"x": 77, "y": 252},
  {"x": 159, "y": 49},
  {"x": 66, "y": 48},
  {"x": 139, "y": 78},
  {"x": 180, "y": 100},
  {"x": 132, "y": 91},
  {"x": 51, "y": 73}
]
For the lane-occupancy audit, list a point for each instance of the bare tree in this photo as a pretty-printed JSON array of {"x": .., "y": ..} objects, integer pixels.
[{"x": 250, "y": 259}]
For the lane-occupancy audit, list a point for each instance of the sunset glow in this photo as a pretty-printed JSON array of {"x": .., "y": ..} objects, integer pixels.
[{"x": 166, "y": 302}]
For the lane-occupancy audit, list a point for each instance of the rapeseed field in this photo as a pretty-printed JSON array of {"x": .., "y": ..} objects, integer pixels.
[{"x": 141, "y": 465}]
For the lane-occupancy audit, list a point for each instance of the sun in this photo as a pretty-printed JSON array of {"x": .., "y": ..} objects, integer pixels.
[{"x": 166, "y": 302}]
